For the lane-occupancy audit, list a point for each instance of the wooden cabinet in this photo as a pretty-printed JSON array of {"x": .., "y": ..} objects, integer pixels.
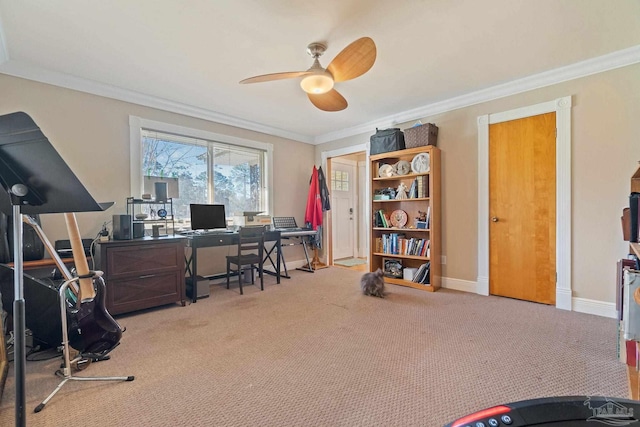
[
  {"x": 396, "y": 242},
  {"x": 142, "y": 273}
]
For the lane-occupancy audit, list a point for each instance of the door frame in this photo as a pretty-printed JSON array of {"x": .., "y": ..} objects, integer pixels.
[
  {"x": 562, "y": 108},
  {"x": 364, "y": 204},
  {"x": 354, "y": 202}
]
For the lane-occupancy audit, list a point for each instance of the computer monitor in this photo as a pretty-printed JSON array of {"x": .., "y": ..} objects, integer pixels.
[{"x": 207, "y": 217}]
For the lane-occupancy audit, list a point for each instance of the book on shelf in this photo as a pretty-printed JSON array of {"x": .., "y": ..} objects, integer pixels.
[
  {"x": 429, "y": 216},
  {"x": 422, "y": 275},
  {"x": 422, "y": 186},
  {"x": 414, "y": 246},
  {"x": 412, "y": 189},
  {"x": 377, "y": 222},
  {"x": 393, "y": 243},
  {"x": 382, "y": 219}
]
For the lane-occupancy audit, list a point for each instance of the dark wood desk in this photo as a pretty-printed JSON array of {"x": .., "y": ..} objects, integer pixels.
[{"x": 196, "y": 241}]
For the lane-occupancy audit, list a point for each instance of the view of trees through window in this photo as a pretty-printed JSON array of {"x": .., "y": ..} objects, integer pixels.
[{"x": 207, "y": 172}]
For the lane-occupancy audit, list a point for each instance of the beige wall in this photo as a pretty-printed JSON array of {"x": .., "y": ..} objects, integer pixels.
[
  {"x": 605, "y": 152},
  {"x": 91, "y": 133}
]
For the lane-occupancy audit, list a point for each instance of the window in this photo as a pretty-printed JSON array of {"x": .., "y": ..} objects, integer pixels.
[
  {"x": 208, "y": 168},
  {"x": 339, "y": 181}
]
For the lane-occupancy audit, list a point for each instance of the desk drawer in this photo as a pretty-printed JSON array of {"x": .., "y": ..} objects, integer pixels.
[
  {"x": 214, "y": 240},
  {"x": 144, "y": 291},
  {"x": 141, "y": 260}
]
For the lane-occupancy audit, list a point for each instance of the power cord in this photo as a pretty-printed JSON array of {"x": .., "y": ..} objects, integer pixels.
[{"x": 103, "y": 233}]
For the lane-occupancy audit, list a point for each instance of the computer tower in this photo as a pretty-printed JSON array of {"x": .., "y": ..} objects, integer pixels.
[
  {"x": 202, "y": 287},
  {"x": 121, "y": 227}
]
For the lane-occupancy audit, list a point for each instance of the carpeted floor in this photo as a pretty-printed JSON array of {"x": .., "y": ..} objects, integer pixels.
[
  {"x": 350, "y": 262},
  {"x": 313, "y": 351}
]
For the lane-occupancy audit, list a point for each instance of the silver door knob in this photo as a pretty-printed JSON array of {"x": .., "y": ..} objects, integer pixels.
[{"x": 494, "y": 219}]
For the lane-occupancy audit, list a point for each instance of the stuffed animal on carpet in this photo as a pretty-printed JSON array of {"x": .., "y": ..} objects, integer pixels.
[{"x": 373, "y": 283}]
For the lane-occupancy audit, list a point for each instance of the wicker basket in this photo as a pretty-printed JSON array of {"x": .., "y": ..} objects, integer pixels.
[{"x": 419, "y": 136}]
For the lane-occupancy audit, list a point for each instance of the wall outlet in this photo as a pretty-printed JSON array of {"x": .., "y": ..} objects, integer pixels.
[{"x": 443, "y": 259}]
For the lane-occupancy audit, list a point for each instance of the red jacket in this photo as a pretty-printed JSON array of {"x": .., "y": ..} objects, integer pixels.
[{"x": 313, "y": 214}]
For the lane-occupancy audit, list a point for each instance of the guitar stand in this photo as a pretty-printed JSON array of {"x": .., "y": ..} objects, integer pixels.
[{"x": 65, "y": 372}]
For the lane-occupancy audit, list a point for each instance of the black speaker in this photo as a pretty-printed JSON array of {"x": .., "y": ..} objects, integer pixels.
[
  {"x": 32, "y": 246},
  {"x": 122, "y": 227},
  {"x": 138, "y": 230},
  {"x": 42, "y": 305}
]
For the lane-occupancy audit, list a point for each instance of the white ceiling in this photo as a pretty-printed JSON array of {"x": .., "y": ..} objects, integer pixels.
[{"x": 433, "y": 55}]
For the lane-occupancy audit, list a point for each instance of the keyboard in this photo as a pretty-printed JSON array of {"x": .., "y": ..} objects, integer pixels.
[
  {"x": 285, "y": 230},
  {"x": 205, "y": 233},
  {"x": 210, "y": 232}
]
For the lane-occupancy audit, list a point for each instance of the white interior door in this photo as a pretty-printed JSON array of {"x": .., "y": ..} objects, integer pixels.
[{"x": 343, "y": 207}]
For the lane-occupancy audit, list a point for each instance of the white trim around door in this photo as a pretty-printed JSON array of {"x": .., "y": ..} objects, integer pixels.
[
  {"x": 562, "y": 108},
  {"x": 364, "y": 204}
]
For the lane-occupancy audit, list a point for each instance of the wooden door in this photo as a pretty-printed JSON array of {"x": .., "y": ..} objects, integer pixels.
[
  {"x": 522, "y": 209},
  {"x": 343, "y": 190}
]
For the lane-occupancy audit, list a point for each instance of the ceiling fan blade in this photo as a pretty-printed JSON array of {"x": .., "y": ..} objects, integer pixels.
[
  {"x": 330, "y": 101},
  {"x": 354, "y": 60},
  {"x": 274, "y": 76}
]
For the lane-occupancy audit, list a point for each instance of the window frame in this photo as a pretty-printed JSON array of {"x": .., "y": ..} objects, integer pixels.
[{"x": 136, "y": 124}]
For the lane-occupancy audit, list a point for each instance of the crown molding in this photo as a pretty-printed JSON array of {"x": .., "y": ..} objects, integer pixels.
[
  {"x": 585, "y": 68},
  {"x": 29, "y": 72}
]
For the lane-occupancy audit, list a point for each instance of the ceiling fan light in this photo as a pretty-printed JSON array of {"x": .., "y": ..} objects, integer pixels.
[{"x": 317, "y": 83}]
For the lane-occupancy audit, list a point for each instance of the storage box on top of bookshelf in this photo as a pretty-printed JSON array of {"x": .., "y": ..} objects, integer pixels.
[{"x": 405, "y": 228}]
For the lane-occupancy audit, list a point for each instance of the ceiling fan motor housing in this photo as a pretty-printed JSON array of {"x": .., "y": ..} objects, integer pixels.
[{"x": 316, "y": 49}]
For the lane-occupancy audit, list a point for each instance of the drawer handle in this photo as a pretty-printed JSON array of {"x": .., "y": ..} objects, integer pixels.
[{"x": 146, "y": 276}]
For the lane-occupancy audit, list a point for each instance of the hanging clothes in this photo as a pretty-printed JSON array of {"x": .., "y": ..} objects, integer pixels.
[
  {"x": 313, "y": 213},
  {"x": 324, "y": 191}
]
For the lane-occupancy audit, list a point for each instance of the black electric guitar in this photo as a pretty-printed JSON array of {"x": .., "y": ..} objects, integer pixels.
[{"x": 91, "y": 329}]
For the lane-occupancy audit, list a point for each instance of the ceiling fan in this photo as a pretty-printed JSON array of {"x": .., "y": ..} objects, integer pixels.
[{"x": 353, "y": 61}]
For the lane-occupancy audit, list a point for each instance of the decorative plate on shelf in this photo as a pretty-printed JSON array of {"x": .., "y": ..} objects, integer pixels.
[
  {"x": 385, "y": 171},
  {"x": 420, "y": 163},
  {"x": 398, "y": 218},
  {"x": 162, "y": 213},
  {"x": 403, "y": 167}
]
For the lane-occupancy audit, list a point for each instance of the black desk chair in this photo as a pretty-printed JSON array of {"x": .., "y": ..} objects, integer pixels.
[{"x": 250, "y": 253}]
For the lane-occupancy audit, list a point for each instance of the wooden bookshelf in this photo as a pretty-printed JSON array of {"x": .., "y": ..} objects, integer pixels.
[{"x": 429, "y": 200}]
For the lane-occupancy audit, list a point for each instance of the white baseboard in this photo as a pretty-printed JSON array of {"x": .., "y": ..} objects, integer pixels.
[
  {"x": 599, "y": 308},
  {"x": 580, "y": 305},
  {"x": 459, "y": 285}
]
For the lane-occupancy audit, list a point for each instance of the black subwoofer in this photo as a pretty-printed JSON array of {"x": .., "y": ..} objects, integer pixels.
[{"x": 42, "y": 306}]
